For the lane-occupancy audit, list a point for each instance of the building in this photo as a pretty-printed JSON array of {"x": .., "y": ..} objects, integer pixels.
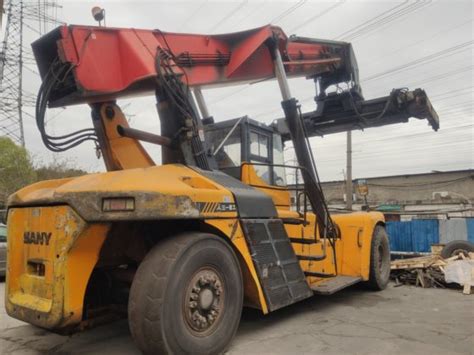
[
  {"x": 409, "y": 194},
  {"x": 420, "y": 209}
]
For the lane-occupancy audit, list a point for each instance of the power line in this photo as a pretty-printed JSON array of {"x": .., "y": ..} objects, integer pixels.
[
  {"x": 398, "y": 69},
  {"x": 318, "y": 15},
  {"x": 458, "y": 105},
  {"x": 382, "y": 19},
  {"x": 288, "y": 11},
  {"x": 252, "y": 11},
  {"x": 393, "y": 139},
  {"x": 231, "y": 13},
  {"x": 273, "y": 20},
  {"x": 225, "y": 97},
  {"x": 447, "y": 52},
  {"x": 436, "y": 35},
  {"x": 192, "y": 15},
  {"x": 453, "y": 91},
  {"x": 348, "y": 32},
  {"x": 445, "y": 75},
  {"x": 440, "y": 151},
  {"x": 423, "y": 60}
]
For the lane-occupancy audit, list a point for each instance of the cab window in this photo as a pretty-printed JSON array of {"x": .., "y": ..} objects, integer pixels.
[
  {"x": 279, "y": 173},
  {"x": 267, "y": 148},
  {"x": 229, "y": 155},
  {"x": 3, "y": 234},
  {"x": 262, "y": 171},
  {"x": 259, "y": 145}
]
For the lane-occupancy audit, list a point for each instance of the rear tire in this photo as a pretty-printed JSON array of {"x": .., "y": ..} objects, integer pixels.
[
  {"x": 456, "y": 247},
  {"x": 379, "y": 260},
  {"x": 186, "y": 296}
]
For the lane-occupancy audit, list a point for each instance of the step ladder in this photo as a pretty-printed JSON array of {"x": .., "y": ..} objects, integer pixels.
[{"x": 334, "y": 284}]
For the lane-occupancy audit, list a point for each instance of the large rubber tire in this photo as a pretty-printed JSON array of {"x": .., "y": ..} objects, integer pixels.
[
  {"x": 455, "y": 247},
  {"x": 158, "y": 308},
  {"x": 379, "y": 260}
]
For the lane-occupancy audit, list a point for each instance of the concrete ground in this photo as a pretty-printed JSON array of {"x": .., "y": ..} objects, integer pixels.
[{"x": 399, "y": 320}]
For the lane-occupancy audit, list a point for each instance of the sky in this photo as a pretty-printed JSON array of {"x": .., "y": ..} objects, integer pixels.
[{"x": 403, "y": 32}]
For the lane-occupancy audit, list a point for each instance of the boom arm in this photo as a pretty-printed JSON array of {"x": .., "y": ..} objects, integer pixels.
[
  {"x": 342, "y": 112},
  {"x": 108, "y": 63}
]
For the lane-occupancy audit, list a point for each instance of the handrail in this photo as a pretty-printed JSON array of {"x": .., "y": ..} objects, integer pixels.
[{"x": 324, "y": 238}]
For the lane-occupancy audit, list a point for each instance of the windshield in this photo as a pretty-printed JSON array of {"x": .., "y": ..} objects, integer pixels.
[
  {"x": 279, "y": 173},
  {"x": 229, "y": 155}
]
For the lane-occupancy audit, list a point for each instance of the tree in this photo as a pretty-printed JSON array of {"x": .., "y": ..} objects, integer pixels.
[
  {"x": 16, "y": 169},
  {"x": 57, "y": 170}
]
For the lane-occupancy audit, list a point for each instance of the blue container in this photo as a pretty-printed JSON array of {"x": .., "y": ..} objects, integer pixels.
[
  {"x": 399, "y": 234},
  {"x": 470, "y": 229},
  {"x": 414, "y": 236}
]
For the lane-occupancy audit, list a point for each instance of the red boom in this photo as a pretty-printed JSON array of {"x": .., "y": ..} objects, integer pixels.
[{"x": 111, "y": 62}]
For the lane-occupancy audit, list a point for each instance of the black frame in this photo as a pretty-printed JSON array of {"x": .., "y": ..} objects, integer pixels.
[{"x": 248, "y": 125}]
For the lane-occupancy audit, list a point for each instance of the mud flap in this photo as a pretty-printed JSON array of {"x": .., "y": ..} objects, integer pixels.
[{"x": 279, "y": 271}]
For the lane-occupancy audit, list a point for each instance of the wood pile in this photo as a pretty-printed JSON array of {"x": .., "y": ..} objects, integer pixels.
[{"x": 425, "y": 271}]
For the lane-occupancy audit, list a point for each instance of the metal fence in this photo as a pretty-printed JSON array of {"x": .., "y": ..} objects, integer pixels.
[{"x": 419, "y": 234}]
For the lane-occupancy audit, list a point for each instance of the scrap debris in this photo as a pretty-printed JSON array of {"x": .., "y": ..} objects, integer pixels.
[{"x": 434, "y": 271}]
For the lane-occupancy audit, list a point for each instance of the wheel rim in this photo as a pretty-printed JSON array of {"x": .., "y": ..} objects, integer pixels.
[
  {"x": 204, "y": 301},
  {"x": 459, "y": 251}
]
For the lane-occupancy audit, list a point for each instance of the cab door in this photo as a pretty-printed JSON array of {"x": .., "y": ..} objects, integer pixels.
[
  {"x": 260, "y": 153},
  {"x": 264, "y": 149}
]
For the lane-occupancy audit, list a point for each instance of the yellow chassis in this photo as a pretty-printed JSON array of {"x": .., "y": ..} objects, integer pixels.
[{"x": 47, "y": 278}]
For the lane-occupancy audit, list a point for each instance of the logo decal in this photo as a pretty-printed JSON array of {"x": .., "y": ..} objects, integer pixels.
[
  {"x": 41, "y": 238},
  {"x": 210, "y": 207}
]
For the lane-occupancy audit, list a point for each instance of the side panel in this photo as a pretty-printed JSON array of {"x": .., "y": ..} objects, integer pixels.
[
  {"x": 279, "y": 195},
  {"x": 274, "y": 258},
  {"x": 253, "y": 291},
  {"x": 352, "y": 249},
  {"x": 81, "y": 260},
  {"x": 356, "y": 238},
  {"x": 51, "y": 255}
]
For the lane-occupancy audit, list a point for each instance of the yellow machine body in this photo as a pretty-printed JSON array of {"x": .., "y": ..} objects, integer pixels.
[
  {"x": 58, "y": 231},
  {"x": 181, "y": 247}
]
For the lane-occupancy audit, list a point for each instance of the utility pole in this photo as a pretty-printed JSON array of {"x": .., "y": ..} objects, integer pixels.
[
  {"x": 349, "y": 171},
  {"x": 20, "y": 81},
  {"x": 16, "y": 101}
]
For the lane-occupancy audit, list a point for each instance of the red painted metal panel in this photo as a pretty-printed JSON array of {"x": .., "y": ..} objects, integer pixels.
[{"x": 112, "y": 62}]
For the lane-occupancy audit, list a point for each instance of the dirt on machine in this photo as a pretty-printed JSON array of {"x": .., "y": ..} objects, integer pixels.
[{"x": 182, "y": 246}]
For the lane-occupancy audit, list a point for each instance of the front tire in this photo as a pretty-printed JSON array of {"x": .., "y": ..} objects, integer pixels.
[
  {"x": 186, "y": 296},
  {"x": 379, "y": 260}
]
